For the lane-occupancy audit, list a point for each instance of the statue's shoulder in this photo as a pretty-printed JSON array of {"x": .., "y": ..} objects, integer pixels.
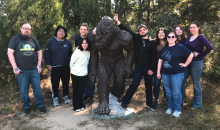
[
  {"x": 91, "y": 37},
  {"x": 124, "y": 36}
]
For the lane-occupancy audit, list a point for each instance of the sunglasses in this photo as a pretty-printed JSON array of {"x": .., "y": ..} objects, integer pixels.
[
  {"x": 170, "y": 36},
  {"x": 84, "y": 24}
]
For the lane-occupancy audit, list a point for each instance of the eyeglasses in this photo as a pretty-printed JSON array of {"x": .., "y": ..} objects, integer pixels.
[
  {"x": 61, "y": 31},
  {"x": 28, "y": 29},
  {"x": 170, "y": 36}
]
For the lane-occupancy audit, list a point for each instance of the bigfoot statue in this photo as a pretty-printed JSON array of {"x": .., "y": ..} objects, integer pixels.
[{"x": 110, "y": 42}]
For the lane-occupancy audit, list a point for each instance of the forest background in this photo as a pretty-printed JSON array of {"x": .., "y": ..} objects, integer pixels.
[{"x": 46, "y": 15}]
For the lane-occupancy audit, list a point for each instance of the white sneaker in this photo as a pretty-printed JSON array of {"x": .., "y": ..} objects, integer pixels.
[
  {"x": 176, "y": 113},
  {"x": 168, "y": 111},
  {"x": 56, "y": 101},
  {"x": 66, "y": 99},
  {"x": 82, "y": 109},
  {"x": 77, "y": 110}
]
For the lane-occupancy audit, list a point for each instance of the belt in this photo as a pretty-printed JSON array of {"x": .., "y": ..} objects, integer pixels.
[{"x": 56, "y": 65}]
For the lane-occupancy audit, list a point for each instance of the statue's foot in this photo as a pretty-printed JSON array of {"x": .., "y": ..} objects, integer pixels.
[{"x": 102, "y": 109}]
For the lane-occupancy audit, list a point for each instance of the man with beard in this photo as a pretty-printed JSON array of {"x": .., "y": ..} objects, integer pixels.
[
  {"x": 25, "y": 55},
  {"x": 89, "y": 90},
  {"x": 145, "y": 58}
]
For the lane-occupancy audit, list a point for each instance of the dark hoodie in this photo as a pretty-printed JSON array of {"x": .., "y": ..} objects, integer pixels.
[{"x": 145, "y": 51}]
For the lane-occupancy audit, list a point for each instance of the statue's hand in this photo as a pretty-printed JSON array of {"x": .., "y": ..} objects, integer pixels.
[
  {"x": 128, "y": 72},
  {"x": 92, "y": 76}
]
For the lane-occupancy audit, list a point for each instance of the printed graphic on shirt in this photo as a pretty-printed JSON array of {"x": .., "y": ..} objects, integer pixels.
[
  {"x": 167, "y": 58},
  {"x": 27, "y": 48}
]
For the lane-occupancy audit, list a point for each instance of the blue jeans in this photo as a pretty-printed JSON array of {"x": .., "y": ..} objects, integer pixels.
[
  {"x": 89, "y": 86},
  {"x": 195, "y": 70},
  {"x": 24, "y": 80},
  {"x": 157, "y": 83},
  {"x": 173, "y": 84},
  {"x": 138, "y": 73}
]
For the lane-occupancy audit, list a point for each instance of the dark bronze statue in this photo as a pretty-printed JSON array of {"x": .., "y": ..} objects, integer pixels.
[{"x": 110, "y": 42}]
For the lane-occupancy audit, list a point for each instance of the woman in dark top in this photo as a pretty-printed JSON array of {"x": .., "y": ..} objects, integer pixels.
[
  {"x": 160, "y": 41},
  {"x": 181, "y": 37},
  {"x": 181, "y": 34},
  {"x": 171, "y": 65},
  {"x": 196, "y": 44}
]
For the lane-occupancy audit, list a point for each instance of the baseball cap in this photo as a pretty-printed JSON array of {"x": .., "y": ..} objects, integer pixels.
[{"x": 141, "y": 25}]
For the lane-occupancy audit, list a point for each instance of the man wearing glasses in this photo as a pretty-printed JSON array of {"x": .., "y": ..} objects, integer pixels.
[
  {"x": 145, "y": 57},
  {"x": 57, "y": 56},
  {"x": 25, "y": 55},
  {"x": 89, "y": 90}
]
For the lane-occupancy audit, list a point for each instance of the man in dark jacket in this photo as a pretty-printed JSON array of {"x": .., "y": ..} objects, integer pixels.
[
  {"x": 145, "y": 58},
  {"x": 57, "y": 56}
]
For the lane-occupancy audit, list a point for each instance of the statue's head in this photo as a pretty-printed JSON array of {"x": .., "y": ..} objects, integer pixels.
[{"x": 104, "y": 32}]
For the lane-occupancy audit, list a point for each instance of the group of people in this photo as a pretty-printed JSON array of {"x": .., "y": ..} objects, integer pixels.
[
  {"x": 172, "y": 56},
  {"x": 25, "y": 55}
]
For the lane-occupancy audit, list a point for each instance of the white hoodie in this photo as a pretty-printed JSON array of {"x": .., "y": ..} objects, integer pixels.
[{"x": 79, "y": 62}]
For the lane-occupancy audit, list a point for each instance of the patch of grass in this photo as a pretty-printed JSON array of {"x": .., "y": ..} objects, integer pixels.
[{"x": 82, "y": 123}]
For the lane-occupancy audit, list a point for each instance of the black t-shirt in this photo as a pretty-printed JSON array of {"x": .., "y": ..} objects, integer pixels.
[
  {"x": 171, "y": 57},
  {"x": 25, "y": 52},
  {"x": 78, "y": 39}
]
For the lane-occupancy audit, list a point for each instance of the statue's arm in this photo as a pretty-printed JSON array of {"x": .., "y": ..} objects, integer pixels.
[
  {"x": 129, "y": 48},
  {"x": 94, "y": 57}
]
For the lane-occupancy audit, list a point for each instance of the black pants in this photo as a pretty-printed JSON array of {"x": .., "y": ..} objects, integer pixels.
[
  {"x": 78, "y": 83},
  {"x": 62, "y": 72},
  {"x": 148, "y": 79}
]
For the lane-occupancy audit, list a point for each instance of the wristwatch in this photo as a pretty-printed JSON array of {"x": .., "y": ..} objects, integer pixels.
[
  {"x": 39, "y": 66},
  {"x": 16, "y": 69}
]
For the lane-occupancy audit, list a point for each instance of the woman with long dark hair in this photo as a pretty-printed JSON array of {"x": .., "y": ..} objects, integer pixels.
[
  {"x": 171, "y": 66},
  {"x": 79, "y": 70},
  {"x": 161, "y": 36},
  {"x": 196, "y": 44}
]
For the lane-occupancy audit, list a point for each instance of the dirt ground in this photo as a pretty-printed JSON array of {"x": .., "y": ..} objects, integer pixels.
[{"x": 64, "y": 118}]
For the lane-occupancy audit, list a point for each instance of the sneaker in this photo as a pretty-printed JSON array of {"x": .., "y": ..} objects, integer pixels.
[
  {"x": 176, "y": 113},
  {"x": 56, "y": 101},
  {"x": 82, "y": 109},
  {"x": 124, "y": 105},
  {"x": 42, "y": 110},
  {"x": 86, "y": 98},
  {"x": 27, "y": 111},
  {"x": 168, "y": 111},
  {"x": 66, "y": 99},
  {"x": 152, "y": 107},
  {"x": 77, "y": 110}
]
